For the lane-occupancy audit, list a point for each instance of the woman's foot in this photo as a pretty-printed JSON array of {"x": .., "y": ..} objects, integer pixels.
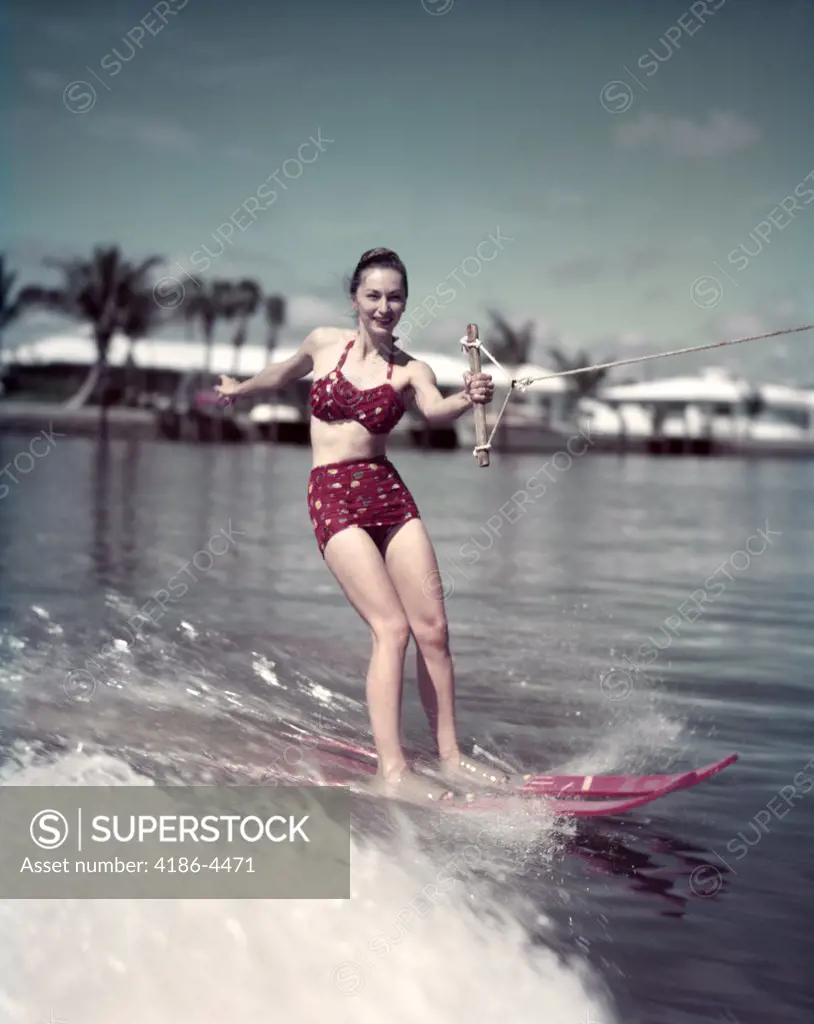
[
  {"x": 459, "y": 768},
  {"x": 407, "y": 785}
]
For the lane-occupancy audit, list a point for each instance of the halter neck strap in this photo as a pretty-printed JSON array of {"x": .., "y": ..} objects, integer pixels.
[
  {"x": 347, "y": 349},
  {"x": 344, "y": 355}
]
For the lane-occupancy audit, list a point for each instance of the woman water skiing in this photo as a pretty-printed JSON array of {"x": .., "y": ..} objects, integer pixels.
[{"x": 366, "y": 523}]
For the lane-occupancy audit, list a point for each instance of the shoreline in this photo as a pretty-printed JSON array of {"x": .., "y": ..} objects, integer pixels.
[
  {"x": 114, "y": 422},
  {"x": 28, "y": 417}
]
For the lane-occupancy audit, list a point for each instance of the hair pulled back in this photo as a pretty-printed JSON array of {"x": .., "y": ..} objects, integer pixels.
[{"x": 377, "y": 258}]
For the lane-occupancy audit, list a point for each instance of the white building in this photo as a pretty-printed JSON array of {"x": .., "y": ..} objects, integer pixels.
[{"x": 715, "y": 408}]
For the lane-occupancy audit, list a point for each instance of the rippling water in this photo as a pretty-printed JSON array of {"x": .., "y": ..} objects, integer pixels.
[{"x": 638, "y": 615}]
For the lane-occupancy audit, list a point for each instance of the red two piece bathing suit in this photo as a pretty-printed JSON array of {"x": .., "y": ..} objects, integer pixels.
[{"x": 368, "y": 493}]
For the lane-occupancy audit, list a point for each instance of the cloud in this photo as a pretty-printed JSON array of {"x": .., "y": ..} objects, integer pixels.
[
  {"x": 212, "y": 67},
  {"x": 32, "y": 252},
  {"x": 151, "y": 134},
  {"x": 227, "y": 71},
  {"x": 648, "y": 257},
  {"x": 560, "y": 200},
  {"x": 633, "y": 340},
  {"x": 658, "y": 293},
  {"x": 241, "y": 153},
  {"x": 61, "y": 30},
  {"x": 741, "y": 325},
  {"x": 579, "y": 270},
  {"x": 27, "y": 257},
  {"x": 681, "y": 137},
  {"x": 43, "y": 81},
  {"x": 765, "y": 318},
  {"x": 785, "y": 359},
  {"x": 241, "y": 259},
  {"x": 590, "y": 268},
  {"x": 304, "y": 312}
]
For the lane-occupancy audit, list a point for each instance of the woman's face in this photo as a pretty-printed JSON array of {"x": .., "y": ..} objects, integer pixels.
[{"x": 380, "y": 301}]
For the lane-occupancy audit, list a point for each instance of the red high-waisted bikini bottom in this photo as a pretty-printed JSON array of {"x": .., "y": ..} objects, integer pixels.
[{"x": 361, "y": 492}]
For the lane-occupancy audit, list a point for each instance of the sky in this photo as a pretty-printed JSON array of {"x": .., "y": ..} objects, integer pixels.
[{"x": 633, "y": 177}]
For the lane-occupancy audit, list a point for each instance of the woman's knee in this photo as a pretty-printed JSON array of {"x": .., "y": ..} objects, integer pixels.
[
  {"x": 432, "y": 636},
  {"x": 391, "y": 630}
]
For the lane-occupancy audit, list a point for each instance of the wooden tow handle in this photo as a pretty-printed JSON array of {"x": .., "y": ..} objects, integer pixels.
[{"x": 479, "y": 411}]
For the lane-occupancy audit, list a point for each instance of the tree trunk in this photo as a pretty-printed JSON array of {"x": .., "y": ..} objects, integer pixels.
[
  {"x": 238, "y": 342},
  {"x": 89, "y": 385},
  {"x": 271, "y": 341},
  {"x": 98, "y": 372},
  {"x": 4, "y": 367},
  {"x": 209, "y": 337}
]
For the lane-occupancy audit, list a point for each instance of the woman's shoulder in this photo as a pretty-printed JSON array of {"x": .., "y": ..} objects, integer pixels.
[
  {"x": 415, "y": 367},
  {"x": 323, "y": 338}
]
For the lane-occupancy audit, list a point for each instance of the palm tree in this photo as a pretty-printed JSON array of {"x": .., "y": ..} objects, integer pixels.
[
  {"x": 10, "y": 307},
  {"x": 141, "y": 318},
  {"x": 101, "y": 291},
  {"x": 275, "y": 318},
  {"x": 242, "y": 303},
  {"x": 582, "y": 385},
  {"x": 511, "y": 345},
  {"x": 208, "y": 302},
  {"x": 275, "y": 309}
]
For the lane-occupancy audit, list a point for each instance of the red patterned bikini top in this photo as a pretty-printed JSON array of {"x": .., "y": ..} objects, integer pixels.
[{"x": 335, "y": 399}]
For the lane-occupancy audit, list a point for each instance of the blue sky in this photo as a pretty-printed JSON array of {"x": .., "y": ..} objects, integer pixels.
[{"x": 619, "y": 151}]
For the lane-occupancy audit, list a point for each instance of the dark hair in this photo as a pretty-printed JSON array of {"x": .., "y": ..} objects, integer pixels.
[{"x": 377, "y": 258}]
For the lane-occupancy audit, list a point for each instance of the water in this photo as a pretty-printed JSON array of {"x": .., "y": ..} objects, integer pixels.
[{"x": 638, "y": 615}]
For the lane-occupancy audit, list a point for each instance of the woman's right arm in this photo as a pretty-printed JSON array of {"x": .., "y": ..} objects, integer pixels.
[{"x": 277, "y": 375}]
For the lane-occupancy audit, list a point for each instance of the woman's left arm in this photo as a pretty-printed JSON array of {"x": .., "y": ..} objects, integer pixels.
[{"x": 438, "y": 411}]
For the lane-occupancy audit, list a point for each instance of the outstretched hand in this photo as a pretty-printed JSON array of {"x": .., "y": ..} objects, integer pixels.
[
  {"x": 479, "y": 388},
  {"x": 228, "y": 389}
]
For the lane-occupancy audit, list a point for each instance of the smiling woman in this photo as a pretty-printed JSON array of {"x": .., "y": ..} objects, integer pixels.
[{"x": 367, "y": 525}]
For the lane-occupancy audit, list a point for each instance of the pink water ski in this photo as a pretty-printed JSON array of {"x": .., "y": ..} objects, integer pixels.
[
  {"x": 572, "y": 808},
  {"x": 574, "y": 788},
  {"x": 621, "y": 785},
  {"x": 512, "y": 803}
]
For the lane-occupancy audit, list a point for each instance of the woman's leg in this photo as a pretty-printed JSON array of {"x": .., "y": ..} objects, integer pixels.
[
  {"x": 411, "y": 563},
  {"x": 413, "y": 568},
  {"x": 358, "y": 566}
]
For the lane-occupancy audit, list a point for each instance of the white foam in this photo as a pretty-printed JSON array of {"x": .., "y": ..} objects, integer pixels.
[{"x": 386, "y": 955}]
